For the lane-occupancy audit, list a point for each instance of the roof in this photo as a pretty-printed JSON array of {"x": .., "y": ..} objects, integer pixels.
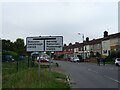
[
  {"x": 92, "y": 42},
  {"x": 116, "y": 35}
]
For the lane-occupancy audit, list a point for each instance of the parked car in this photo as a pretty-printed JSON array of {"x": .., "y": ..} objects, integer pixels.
[
  {"x": 7, "y": 58},
  {"x": 117, "y": 61},
  {"x": 74, "y": 59},
  {"x": 42, "y": 59}
]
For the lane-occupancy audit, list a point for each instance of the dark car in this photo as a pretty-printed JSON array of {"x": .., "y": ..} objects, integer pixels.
[{"x": 7, "y": 58}]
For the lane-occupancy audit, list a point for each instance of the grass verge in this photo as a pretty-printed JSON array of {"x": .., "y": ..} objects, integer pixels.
[{"x": 28, "y": 77}]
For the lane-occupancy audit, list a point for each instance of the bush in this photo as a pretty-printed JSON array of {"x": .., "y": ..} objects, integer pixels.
[
  {"x": 118, "y": 54},
  {"x": 113, "y": 55}
]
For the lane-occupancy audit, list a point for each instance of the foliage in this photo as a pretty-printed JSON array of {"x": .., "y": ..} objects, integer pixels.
[
  {"x": 17, "y": 46},
  {"x": 7, "y": 45},
  {"x": 61, "y": 56},
  {"x": 118, "y": 54},
  {"x": 113, "y": 55},
  {"x": 48, "y": 52},
  {"x": 28, "y": 77}
]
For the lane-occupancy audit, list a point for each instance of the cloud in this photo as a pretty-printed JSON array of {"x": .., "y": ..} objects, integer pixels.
[{"x": 58, "y": 18}]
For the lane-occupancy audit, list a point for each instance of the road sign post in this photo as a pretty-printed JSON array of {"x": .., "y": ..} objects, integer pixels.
[{"x": 39, "y": 67}]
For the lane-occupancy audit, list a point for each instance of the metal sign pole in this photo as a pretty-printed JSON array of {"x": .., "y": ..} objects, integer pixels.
[
  {"x": 50, "y": 62},
  {"x": 39, "y": 67}
]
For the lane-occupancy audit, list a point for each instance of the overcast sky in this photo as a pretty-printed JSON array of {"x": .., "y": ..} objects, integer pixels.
[{"x": 21, "y": 19}]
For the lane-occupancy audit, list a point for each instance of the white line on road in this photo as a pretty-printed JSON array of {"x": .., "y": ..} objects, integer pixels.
[
  {"x": 112, "y": 79},
  {"x": 92, "y": 70},
  {"x": 105, "y": 76}
]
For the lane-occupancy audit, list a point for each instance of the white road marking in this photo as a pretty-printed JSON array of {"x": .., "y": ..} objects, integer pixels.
[
  {"x": 112, "y": 79},
  {"x": 105, "y": 76},
  {"x": 92, "y": 70}
]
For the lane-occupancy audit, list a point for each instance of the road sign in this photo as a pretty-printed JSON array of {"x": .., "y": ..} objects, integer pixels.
[
  {"x": 34, "y": 45},
  {"x": 55, "y": 44},
  {"x": 44, "y": 43}
]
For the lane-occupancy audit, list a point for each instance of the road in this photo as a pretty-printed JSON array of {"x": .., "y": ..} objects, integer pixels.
[{"x": 90, "y": 75}]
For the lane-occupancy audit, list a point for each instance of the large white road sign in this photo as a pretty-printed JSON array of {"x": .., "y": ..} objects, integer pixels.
[{"x": 44, "y": 43}]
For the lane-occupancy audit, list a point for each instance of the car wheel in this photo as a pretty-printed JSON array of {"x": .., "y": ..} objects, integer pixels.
[{"x": 117, "y": 64}]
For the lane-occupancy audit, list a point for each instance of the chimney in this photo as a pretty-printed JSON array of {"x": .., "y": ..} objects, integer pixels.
[
  {"x": 105, "y": 33},
  {"x": 70, "y": 43},
  {"x": 65, "y": 45},
  {"x": 87, "y": 39},
  {"x": 76, "y": 42}
]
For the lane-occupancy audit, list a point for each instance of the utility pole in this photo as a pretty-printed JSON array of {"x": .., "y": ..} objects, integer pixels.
[{"x": 83, "y": 45}]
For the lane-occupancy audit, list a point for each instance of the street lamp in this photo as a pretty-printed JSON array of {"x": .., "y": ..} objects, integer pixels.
[{"x": 83, "y": 43}]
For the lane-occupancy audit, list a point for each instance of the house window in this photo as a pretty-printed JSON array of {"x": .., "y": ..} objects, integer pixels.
[{"x": 105, "y": 51}]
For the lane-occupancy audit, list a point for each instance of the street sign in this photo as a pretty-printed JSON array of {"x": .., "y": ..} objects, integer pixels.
[
  {"x": 55, "y": 44},
  {"x": 44, "y": 43},
  {"x": 34, "y": 45}
]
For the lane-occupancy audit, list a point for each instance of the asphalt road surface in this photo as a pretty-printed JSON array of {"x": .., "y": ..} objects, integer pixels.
[{"x": 90, "y": 75}]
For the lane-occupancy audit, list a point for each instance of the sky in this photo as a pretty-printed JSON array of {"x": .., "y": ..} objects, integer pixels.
[{"x": 67, "y": 18}]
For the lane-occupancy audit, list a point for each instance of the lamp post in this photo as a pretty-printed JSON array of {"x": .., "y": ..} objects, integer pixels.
[{"x": 83, "y": 44}]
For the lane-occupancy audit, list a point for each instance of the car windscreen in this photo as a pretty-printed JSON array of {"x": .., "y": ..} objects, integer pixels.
[
  {"x": 118, "y": 59},
  {"x": 76, "y": 58}
]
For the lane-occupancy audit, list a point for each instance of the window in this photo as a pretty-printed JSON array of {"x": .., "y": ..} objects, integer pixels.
[{"x": 105, "y": 51}]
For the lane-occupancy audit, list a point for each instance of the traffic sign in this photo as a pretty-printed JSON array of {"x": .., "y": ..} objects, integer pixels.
[
  {"x": 44, "y": 43},
  {"x": 55, "y": 44},
  {"x": 34, "y": 45}
]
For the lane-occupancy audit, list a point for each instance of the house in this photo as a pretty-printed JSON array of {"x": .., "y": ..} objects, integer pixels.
[
  {"x": 110, "y": 42},
  {"x": 102, "y": 46}
]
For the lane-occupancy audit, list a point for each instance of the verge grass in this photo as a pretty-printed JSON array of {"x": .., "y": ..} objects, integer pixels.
[{"x": 28, "y": 77}]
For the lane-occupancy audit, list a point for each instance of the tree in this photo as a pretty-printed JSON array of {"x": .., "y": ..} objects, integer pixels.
[
  {"x": 7, "y": 45},
  {"x": 19, "y": 46}
]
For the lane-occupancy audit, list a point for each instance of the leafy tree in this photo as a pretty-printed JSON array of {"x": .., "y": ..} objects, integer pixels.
[
  {"x": 7, "y": 45},
  {"x": 19, "y": 46}
]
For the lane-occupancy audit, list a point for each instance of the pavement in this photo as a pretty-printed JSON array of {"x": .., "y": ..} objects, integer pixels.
[{"x": 90, "y": 75}]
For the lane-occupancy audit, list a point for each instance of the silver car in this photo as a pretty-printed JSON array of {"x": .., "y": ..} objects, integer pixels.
[
  {"x": 74, "y": 59},
  {"x": 117, "y": 61}
]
